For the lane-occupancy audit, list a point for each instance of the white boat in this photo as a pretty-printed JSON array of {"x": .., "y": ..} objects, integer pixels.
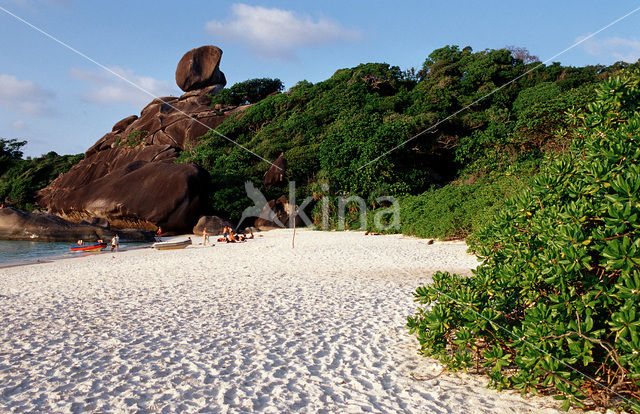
[{"x": 170, "y": 245}]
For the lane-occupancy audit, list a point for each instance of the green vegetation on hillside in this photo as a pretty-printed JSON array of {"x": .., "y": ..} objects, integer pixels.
[
  {"x": 376, "y": 130},
  {"x": 21, "y": 178},
  {"x": 461, "y": 207},
  {"x": 249, "y": 91},
  {"x": 554, "y": 305},
  {"x": 332, "y": 130}
]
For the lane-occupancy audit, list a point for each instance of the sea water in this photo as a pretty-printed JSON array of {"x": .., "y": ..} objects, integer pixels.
[{"x": 13, "y": 252}]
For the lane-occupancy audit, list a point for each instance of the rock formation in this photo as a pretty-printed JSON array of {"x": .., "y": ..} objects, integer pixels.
[
  {"x": 276, "y": 173},
  {"x": 19, "y": 225},
  {"x": 168, "y": 121},
  {"x": 276, "y": 214},
  {"x": 213, "y": 224},
  {"x": 129, "y": 177},
  {"x": 138, "y": 194},
  {"x": 199, "y": 68},
  {"x": 95, "y": 221}
]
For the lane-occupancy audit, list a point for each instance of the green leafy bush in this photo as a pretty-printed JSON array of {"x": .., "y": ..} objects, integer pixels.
[
  {"x": 136, "y": 138},
  {"x": 554, "y": 305},
  {"x": 458, "y": 209}
]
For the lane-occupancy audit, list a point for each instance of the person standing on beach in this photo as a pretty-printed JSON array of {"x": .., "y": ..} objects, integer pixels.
[
  {"x": 159, "y": 234},
  {"x": 115, "y": 242},
  {"x": 205, "y": 237}
]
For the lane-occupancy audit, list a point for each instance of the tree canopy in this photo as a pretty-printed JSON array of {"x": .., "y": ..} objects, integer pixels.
[
  {"x": 247, "y": 92},
  {"x": 20, "y": 178},
  {"x": 10, "y": 152},
  {"x": 332, "y": 130}
]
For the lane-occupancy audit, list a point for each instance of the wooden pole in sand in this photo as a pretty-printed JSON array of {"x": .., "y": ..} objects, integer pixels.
[{"x": 293, "y": 214}]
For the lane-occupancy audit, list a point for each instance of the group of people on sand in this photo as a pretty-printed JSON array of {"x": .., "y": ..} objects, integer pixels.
[
  {"x": 228, "y": 236},
  {"x": 115, "y": 242}
]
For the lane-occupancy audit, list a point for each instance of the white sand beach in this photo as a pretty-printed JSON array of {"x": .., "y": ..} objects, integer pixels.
[{"x": 252, "y": 327}]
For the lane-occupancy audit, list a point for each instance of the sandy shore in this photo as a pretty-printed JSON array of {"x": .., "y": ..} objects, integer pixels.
[{"x": 234, "y": 328}]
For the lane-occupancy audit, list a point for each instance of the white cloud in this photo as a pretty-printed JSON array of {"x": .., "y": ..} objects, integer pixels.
[
  {"x": 107, "y": 88},
  {"x": 23, "y": 96},
  {"x": 617, "y": 48},
  {"x": 32, "y": 4},
  {"x": 276, "y": 32},
  {"x": 18, "y": 124}
]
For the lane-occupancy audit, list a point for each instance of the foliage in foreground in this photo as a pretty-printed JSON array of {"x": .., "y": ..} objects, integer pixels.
[
  {"x": 558, "y": 288},
  {"x": 21, "y": 178}
]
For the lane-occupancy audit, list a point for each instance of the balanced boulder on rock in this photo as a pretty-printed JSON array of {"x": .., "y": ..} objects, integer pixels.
[
  {"x": 128, "y": 176},
  {"x": 199, "y": 68}
]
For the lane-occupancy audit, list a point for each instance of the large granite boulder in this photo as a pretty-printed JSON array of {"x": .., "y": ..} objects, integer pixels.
[
  {"x": 276, "y": 214},
  {"x": 20, "y": 225},
  {"x": 139, "y": 194},
  {"x": 173, "y": 121},
  {"x": 213, "y": 224},
  {"x": 97, "y": 221},
  {"x": 276, "y": 173},
  {"x": 128, "y": 176},
  {"x": 124, "y": 123},
  {"x": 199, "y": 68}
]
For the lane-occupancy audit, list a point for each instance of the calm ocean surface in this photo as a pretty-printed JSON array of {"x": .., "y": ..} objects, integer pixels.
[{"x": 15, "y": 252}]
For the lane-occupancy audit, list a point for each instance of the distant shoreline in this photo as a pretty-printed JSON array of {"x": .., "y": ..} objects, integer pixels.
[{"x": 66, "y": 254}]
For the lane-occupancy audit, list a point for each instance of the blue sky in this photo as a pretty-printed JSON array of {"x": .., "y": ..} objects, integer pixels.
[{"x": 59, "y": 101}]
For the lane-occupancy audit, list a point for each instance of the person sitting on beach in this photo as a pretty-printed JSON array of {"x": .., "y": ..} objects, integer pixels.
[
  {"x": 244, "y": 237},
  {"x": 229, "y": 235},
  {"x": 79, "y": 242}
]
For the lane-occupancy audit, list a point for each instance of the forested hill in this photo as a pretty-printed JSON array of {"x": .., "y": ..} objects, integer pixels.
[
  {"x": 332, "y": 130},
  {"x": 21, "y": 178},
  {"x": 510, "y": 111}
]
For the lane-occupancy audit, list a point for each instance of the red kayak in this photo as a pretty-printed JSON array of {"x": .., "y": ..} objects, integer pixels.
[{"x": 96, "y": 247}]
